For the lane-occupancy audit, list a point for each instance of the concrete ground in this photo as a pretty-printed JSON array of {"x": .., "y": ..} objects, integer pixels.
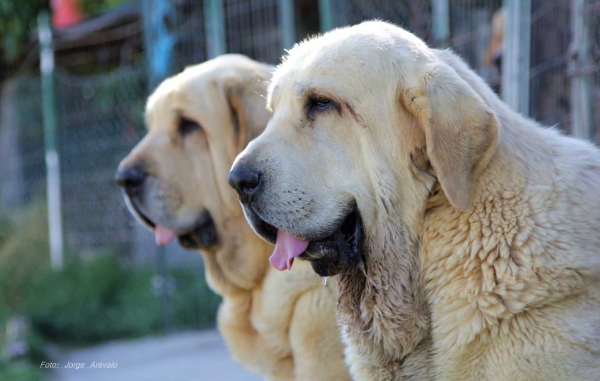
[{"x": 189, "y": 356}]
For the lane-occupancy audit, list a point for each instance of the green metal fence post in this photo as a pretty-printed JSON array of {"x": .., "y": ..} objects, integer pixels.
[
  {"x": 50, "y": 142},
  {"x": 516, "y": 55},
  {"x": 287, "y": 23},
  {"x": 325, "y": 15},
  {"x": 441, "y": 22},
  {"x": 214, "y": 22}
]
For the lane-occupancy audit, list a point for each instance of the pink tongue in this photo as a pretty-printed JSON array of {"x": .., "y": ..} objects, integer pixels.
[
  {"x": 287, "y": 247},
  {"x": 163, "y": 235}
]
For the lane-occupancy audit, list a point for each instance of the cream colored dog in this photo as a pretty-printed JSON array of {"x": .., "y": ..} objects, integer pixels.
[
  {"x": 396, "y": 168},
  {"x": 175, "y": 182}
]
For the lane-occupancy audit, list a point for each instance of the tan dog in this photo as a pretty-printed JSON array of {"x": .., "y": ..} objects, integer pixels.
[
  {"x": 279, "y": 325},
  {"x": 396, "y": 167}
]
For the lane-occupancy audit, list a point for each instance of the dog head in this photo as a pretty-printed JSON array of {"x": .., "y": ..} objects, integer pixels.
[
  {"x": 174, "y": 180},
  {"x": 365, "y": 120}
]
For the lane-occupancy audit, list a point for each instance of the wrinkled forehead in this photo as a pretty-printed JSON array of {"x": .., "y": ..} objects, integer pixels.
[
  {"x": 353, "y": 65},
  {"x": 172, "y": 102},
  {"x": 328, "y": 73}
]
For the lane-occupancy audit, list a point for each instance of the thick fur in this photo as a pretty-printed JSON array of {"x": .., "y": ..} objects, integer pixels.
[
  {"x": 483, "y": 225},
  {"x": 279, "y": 325}
]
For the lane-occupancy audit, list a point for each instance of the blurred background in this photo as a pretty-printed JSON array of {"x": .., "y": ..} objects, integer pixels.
[{"x": 76, "y": 271}]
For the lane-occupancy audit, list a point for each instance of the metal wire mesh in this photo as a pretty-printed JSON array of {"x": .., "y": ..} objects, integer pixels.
[
  {"x": 413, "y": 15},
  {"x": 189, "y": 34},
  {"x": 22, "y": 167},
  {"x": 592, "y": 23},
  {"x": 549, "y": 84},
  {"x": 252, "y": 28},
  {"x": 100, "y": 118},
  {"x": 470, "y": 33}
]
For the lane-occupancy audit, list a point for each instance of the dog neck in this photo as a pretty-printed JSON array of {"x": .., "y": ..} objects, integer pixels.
[
  {"x": 240, "y": 262},
  {"x": 383, "y": 309}
]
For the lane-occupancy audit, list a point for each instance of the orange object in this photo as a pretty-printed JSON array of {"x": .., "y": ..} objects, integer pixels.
[{"x": 66, "y": 13}]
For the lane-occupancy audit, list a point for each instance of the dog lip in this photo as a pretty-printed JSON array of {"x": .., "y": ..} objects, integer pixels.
[
  {"x": 141, "y": 217},
  {"x": 264, "y": 230},
  {"x": 330, "y": 254},
  {"x": 268, "y": 231}
]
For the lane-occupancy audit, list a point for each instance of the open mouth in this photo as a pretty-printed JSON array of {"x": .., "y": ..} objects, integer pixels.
[
  {"x": 329, "y": 255},
  {"x": 202, "y": 235},
  {"x": 341, "y": 250}
]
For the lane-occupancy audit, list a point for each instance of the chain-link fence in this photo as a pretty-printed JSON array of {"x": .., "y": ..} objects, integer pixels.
[
  {"x": 591, "y": 14},
  {"x": 471, "y": 25},
  {"x": 414, "y": 15},
  {"x": 100, "y": 119},
  {"x": 556, "y": 55},
  {"x": 100, "y": 115},
  {"x": 549, "y": 100},
  {"x": 22, "y": 168},
  {"x": 252, "y": 29}
]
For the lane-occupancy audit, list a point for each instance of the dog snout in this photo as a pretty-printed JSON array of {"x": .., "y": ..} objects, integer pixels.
[
  {"x": 130, "y": 178},
  {"x": 245, "y": 180}
]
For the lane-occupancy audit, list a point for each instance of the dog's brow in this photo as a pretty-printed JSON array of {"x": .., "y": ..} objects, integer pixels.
[
  {"x": 318, "y": 92},
  {"x": 300, "y": 89}
]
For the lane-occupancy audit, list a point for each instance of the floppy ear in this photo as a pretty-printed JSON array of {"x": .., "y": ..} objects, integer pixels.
[
  {"x": 239, "y": 117},
  {"x": 461, "y": 131}
]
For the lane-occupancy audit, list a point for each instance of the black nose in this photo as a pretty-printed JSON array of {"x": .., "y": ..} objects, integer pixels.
[
  {"x": 245, "y": 180},
  {"x": 130, "y": 178}
]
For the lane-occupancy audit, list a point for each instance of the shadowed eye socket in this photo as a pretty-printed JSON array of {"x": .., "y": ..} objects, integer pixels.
[
  {"x": 318, "y": 104},
  {"x": 187, "y": 126}
]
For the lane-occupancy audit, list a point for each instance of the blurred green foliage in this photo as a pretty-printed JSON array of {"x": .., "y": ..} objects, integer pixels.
[
  {"x": 193, "y": 303},
  {"x": 90, "y": 300},
  {"x": 25, "y": 367},
  {"x": 93, "y": 7},
  {"x": 21, "y": 370},
  {"x": 17, "y": 19},
  {"x": 23, "y": 257}
]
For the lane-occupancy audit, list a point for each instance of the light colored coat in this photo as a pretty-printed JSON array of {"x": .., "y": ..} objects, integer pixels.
[{"x": 483, "y": 226}]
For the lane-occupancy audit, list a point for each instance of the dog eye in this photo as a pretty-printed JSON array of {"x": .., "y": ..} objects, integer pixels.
[
  {"x": 187, "y": 126},
  {"x": 324, "y": 103},
  {"x": 317, "y": 105},
  {"x": 320, "y": 103}
]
